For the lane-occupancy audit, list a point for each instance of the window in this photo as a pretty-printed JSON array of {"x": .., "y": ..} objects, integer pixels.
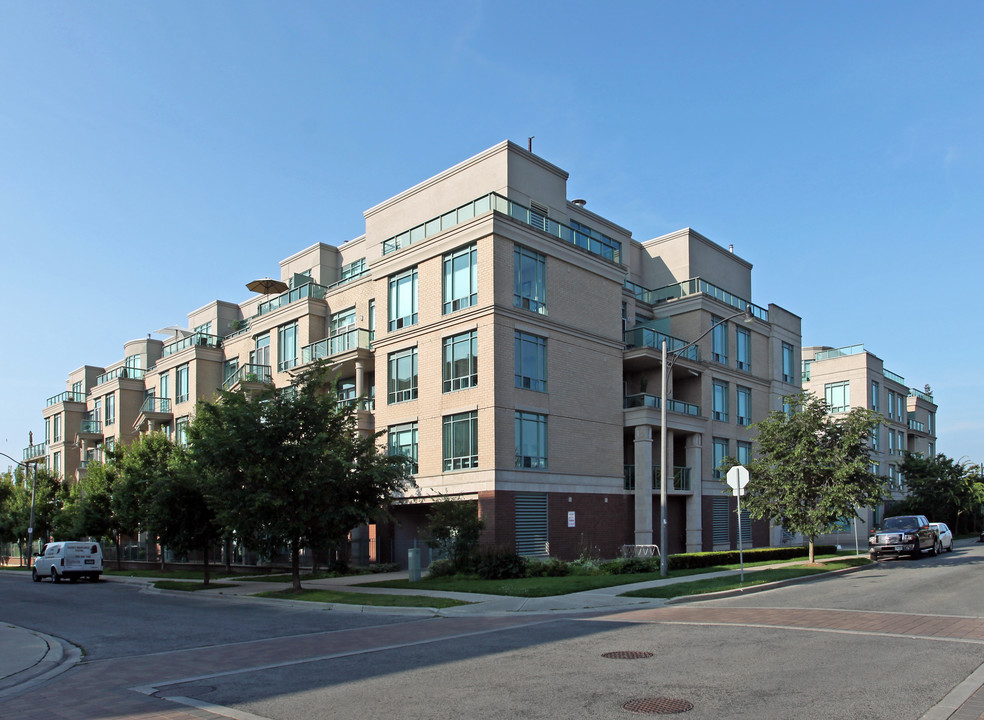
[
  {"x": 529, "y": 280},
  {"x": 181, "y": 431},
  {"x": 110, "y": 445},
  {"x": 110, "y": 416},
  {"x": 531, "y": 440},
  {"x": 229, "y": 369},
  {"x": 931, "y": 426},
  {"x": 133, "y": 361},
  {"x": 891, "y": 443},
  {"x": 719, "y": 340},
  {"x": 353, "y": 270},
  {"x": 403, "y": 376},
  {"x": 838, "y": 396},
  {"x": 372, "y": 319},
  {"x": 788, "y": 363},
  {"x": 900, "y": 407},
  {"x": 720, "y": 452},
  {"x": 930, "y": 450},
  {"x": 403, "y": 299},
  {"x": 743, "y": 348},
  {"x": 346, "y": 390},
  {"x": 287, "y": 346},
  {"x": 57, "y": 436},
  {"x": 744, "y": 452},
  {"x": 165, "y": 386},
  {"x": 181, "y": 383},
  {"x": 744, "y": 410},
  {"x": 531, "y": 362},
  {"x": 77, "y": 389},
  {"x": 901, "y": 442},
  {"x": 460, "y": 279},
  {"x": 56, "y": 463},
  {"x": 47, "y": 430},
  {"x": 876, "y": 438},
  {"x": 342, "y": 321},
  {"x": 97, "y": 411},
  {"x": 461, "y": 441},
  {"x": 461, "y": 361},
  {"x": 893, "y": 477},
  {"x": 891, "y": 404},
  {"x": 204, "y": 328},
  {"x": 719, "y": 401},
  {"x": 261, "y": 351},
  {"x": 403, "y": 441}
]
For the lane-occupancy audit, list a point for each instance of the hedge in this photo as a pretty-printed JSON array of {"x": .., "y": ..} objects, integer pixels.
[{"x": 690, "y": 561}]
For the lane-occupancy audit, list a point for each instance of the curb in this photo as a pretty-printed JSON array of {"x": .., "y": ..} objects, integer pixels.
[{"x": 60, "y": 656}]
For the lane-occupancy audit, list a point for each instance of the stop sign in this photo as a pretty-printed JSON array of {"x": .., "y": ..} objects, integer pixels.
[{"x": 737, "y": 478}]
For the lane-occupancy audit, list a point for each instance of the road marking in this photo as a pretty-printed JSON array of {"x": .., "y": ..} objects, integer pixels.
[{"x": 838, "y": 631}]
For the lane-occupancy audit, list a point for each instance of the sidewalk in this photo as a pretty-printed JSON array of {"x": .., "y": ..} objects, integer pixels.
[{"x": 27, "y": 657}]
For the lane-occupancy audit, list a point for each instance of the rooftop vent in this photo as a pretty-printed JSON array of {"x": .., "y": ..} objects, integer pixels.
[{"x": 580, "y": 202}]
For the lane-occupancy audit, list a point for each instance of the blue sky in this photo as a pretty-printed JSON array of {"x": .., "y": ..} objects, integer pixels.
[{"x": 157, "y": 156}]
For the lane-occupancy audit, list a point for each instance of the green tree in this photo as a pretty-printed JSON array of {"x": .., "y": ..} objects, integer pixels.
[
  {"x": 812, "y": 469},
  {"x": 289, "y": 468},
  {"x": 15, "y": 504},
  {"x": 454, "y": 528},
  {"x": 943, "y": 489}
]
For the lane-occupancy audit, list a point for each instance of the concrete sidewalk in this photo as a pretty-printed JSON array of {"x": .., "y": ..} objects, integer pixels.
[{"x": 28, "y": 657}]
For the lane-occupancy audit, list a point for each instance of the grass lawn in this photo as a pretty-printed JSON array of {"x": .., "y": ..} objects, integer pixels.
[
  {"x": 354, "y": 598},
  {"x": 170, "y": 573},
  {"x": 547, "y": 586},
  {"x": 760, "y": 577},
  {"x": 189, "y": 586}
]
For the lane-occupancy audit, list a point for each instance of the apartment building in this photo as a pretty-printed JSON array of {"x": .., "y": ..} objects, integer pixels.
[
  {"x": 507, "y": 339},
  {"x": 849, "y": 377}
]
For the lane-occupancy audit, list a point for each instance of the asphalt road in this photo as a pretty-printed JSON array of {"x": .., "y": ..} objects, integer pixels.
[{"x": 760, "y": 655}]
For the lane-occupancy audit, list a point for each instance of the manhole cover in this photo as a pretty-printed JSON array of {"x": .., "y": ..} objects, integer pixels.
[
  {"x": 185, "y": 691},
  {"x": 627, "y": 655},
  {"x": 658, "y": 706}
]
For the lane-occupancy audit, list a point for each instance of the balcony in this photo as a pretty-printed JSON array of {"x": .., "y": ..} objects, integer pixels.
[
  {"x": 917, "y": 425},
  {"x": 695, "y": 286},
  {"x": 649, "y": 338},
  {"x": 155, "y": 405},
  {"x": 196, "y": 339},
  {"x": 923, "y": 396},
  {"x": 121, "y": 372},
  {"x": 310, "y": 290},
  {"x": 90, "y": 429},
  {"x": 889, "y": 375},
  {"x": 65, "y": 397},
  {"x": 249, "y": 375},
  {"x": 336, "y": 345},
  {"x": 681, "y": 479},
  {"x": 653, "y": 401},
  {"x": 34, "y": 452}
]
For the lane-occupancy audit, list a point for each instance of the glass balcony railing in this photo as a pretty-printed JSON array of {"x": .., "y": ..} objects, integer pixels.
[
  {"x": 198, "y": 339},
  {"x": 919, "y": 394},
  {"x": 595, "y": 243},
  {"x": 156, "y": 405},
  {"x": 917, "y": 425},
  {"x": 336, "y": 344},
  {"x": 889, "y": 375},
  {"x": 681, "y": 478},
  {"x": 653, "y": 401},
  {"x": 839, "y": 352},
  {"x": 647, "y": 337},
  {"x": 90, "y": 427},
  {"x": 37, "y": 450},
  {"x": 310, "y": 290},
  {"x": 65, "y": 397},
  {"x": 249, "y": 373},
  {"x": 695, "y": 286},
  {"x": 121, "y": 372}
]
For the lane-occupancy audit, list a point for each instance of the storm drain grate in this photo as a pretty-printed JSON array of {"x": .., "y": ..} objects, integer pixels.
[
  {"x": 627, "y": 655},
  {"x": 658, "y": 706}
]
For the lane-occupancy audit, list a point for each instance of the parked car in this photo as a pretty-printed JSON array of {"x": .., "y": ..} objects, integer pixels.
[
  {"x": 946, "y": 536},
  {"x": 72, "y": 560},
  {"x": 904, "y": 535}
]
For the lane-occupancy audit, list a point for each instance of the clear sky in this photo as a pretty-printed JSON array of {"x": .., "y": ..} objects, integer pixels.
[{"x": 157, "y": 156}]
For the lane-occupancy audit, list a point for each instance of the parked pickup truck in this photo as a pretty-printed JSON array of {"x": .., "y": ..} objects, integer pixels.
[{"x": 904, "y": 535}]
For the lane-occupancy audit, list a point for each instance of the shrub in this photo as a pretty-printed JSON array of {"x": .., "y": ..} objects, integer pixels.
[
  {"x": 631, "y": 565},
  {"x": 689, "y": 561},
  {"x": 384, "y": 568},
  {"x": 500, "y": 564},
  {"x": 441, "y": 568},
  {"x": 551, "y": 567},
  {"x": 453, "y": 528}
]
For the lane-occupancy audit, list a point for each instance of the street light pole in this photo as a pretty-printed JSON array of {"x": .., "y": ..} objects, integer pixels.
[
  {"x": 665, "y": 364},
  {"x": 30, "y": 527}
]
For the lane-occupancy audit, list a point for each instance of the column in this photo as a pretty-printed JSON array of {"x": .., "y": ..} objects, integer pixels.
[
  {"x": 695, "y": 509},
  {"x": 360, "y": 377},
  {"x": 643, "y": 450}
]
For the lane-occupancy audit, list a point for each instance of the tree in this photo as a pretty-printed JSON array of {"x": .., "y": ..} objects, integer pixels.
[
  {"x": 289, "y": 468},
  {"x": 943, "y": 489},
  {"x": 142, "y": 466},
  {"x": 15, "y": 503},
  {"x": 454, "y": 528},
  {"x": 812, "y": 469}
]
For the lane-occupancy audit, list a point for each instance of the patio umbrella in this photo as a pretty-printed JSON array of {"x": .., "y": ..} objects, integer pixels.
[{"x": 267, "y": 286}]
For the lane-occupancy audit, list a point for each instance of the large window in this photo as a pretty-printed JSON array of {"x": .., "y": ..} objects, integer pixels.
[
  {"x": 403, "y": 299},
  {"x": 460, "y": 279},
  {"x": 181, "y": 431},
  {"x": 744, "y": 452},
  {"x": 286, "y": 346},
  {"x": 529, "y": 280},
  {"x": 461, "y": 441},
  {"x": 743, "y": 348},
  {"x": 261, "y": 351},
  {"x": 403, "y": 441},
  {"x": 788, "y": 363},
  {"x": 838, "y": 396},
  {"x": 56, "y": 464},
  {"x": 342, "y": 321},
  {"x": 531, "y": 362},
  {"x": 402, "y": 376},
  {"x": 181, "y": 383},
  {"x": 461, "y": 361},
  {"x": 874, "y": 396},
  {"x": 720, "y": 452},
  {"x": 719, "y": 400},
  {"x": 165, "y": 386},
  {"x": 876, "y": 438},
  {"x": 744, "y": 409},
  {"x": 891, "y": 405},
  {"x": 531, "y": 440},
  {"x": 719, "y": 340},
  {"x": 57, "y": 432},
  {"x": 110, "y": 416}
]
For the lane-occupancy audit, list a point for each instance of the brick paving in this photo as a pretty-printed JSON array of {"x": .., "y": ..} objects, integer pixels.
[{"x": 104, "y": 689}]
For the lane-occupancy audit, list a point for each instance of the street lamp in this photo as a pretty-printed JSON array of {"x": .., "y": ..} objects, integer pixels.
[
  {"x": 666, "y": 364},
  {"x": 30, "y": 527}
]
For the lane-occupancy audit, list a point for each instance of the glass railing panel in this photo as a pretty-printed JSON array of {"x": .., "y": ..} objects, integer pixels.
[
  {"x": 90, "y": 427},
  {"x": 919, "y": 394},
  {"x": 199, "y": 339},
  {"x": 692, "y": 287},
  {"x": 35, "y": 451},
  {"x": 67, "y": 396},
  {"x": 336, "y": 344},
  {"x": 839, "y": 352},
  {"x": 647, "y": 337},
  {"x": 894, "y": 376},
  {"x": 156, "y": 405},
  {"x": 121, "y": 372},
  {"x": 309, "y": 290},
  {"x": 249, "y": 373}
]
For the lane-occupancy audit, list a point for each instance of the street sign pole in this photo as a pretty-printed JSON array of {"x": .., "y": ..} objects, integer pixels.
[{"x": 737, "y": 478}]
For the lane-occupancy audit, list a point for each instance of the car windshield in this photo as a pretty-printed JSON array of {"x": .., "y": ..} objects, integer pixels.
[{"x": 901, "y": 523}]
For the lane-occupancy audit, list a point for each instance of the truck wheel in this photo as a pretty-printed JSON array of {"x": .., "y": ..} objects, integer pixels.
[
  {"x": 54, "y": 576},
  {"x": 34, "y": 575},
  {"x": 916, "y": 552}
]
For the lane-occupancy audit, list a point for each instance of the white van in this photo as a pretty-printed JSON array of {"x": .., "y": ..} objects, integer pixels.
[{"x": 72, "y": 560}]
